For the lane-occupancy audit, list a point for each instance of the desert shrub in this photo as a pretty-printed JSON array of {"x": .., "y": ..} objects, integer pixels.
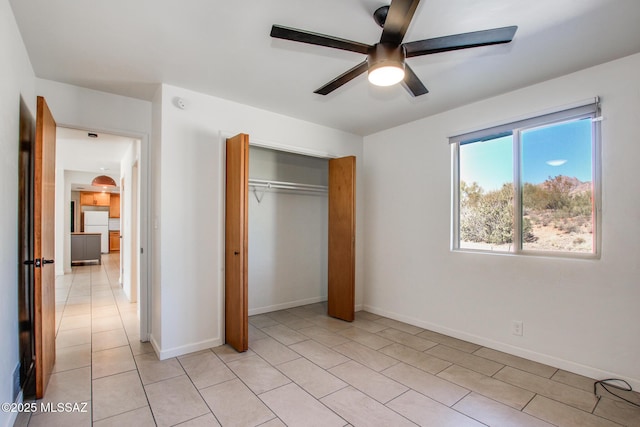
[
  {"x": 557, "y": 194},
  {"x": 571, "y": 228},
  {"x": 486, "y": 217},
  {"x": 470, "y": 194},
  {"x": 557, "y": 191},
  {"x": 534, "y": 198},
  {"x": 527, "y": 231},
  {"x": 581, "y": 204}
]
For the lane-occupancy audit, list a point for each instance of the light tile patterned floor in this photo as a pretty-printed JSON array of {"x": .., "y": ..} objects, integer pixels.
[{"x": 303, "y": 368}]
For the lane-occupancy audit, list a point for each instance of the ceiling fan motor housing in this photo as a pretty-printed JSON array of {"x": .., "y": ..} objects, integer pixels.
[{"x": 384, "y": 55}]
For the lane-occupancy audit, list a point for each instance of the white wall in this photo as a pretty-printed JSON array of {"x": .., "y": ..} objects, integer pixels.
[
  {"x": 155, "y": 171},
  {"x": 191, "y": 176},
  {"x": 579, "y": 315},
  {"x": 82, "y": 108},
  {"x": 288, "y": 244},
  {"x": 127, "y": 226},
  {"x": 16, "y": 78},
  {"x": 288, "y": 232}
]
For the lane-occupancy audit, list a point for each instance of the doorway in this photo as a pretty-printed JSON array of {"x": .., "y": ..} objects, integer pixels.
[{"x": 84, "y": 154}]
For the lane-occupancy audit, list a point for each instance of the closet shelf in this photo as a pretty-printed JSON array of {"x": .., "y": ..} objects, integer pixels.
[{"x": 282, "y": 185}]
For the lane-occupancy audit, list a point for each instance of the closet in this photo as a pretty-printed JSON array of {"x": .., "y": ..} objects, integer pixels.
[
  {"x": 288, "y": 229},
  {"x": 289, "y": 234}
]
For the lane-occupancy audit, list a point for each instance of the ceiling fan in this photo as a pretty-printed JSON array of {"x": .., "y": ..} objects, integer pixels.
[{"x": 385, "y": 61}]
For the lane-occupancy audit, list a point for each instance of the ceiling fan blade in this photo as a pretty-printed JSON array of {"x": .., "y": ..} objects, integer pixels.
[
  {"x": 412, "y": 83},
  {"x": 286, "y": 33},
  {"x": 460, "y": 41},
  {"x": 343, "y": 78},
  {"x": 398, "y": 20}
]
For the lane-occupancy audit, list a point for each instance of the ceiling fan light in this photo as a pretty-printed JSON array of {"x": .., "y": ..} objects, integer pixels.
[
  {"x": 386, "y": 75},
  {"x": 386, "y": 64}
]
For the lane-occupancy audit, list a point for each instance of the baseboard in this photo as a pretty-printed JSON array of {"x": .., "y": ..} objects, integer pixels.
[
  {"x": 154, "y": 345},
  {"x": 13, "y": 416},
  {"x": 567, "y": 365},
  {"x": 285, "y": 305},
  {"x": 183, "y": 349}
]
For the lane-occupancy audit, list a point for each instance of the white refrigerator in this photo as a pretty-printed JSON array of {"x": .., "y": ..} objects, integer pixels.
[{"x": 98, "y": 222}]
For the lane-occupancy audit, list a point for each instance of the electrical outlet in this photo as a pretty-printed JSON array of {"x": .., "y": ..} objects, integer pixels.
[{"x": 517, "y": 328}]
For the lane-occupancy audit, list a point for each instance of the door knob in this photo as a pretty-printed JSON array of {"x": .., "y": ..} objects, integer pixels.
[
  {"x": 47, "y": 261},
  {"x": 236, "y": 253}
]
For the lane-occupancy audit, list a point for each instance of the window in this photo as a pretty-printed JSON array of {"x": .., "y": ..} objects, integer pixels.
[{"x": 530, "y": 186}]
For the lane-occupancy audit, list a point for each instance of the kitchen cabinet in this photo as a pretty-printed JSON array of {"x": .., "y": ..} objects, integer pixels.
[
  {"x": 86, "y": 198},
  {"x": 102, "y": 199},
  {"x": 114, "y": 241},
  {"x": 86, "y": 247},
  {"x": 114, "y": 206},
  {"x": 95, "y": 199}
]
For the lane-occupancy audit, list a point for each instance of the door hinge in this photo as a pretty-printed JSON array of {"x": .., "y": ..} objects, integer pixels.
[{"x": 141, "y": 250}]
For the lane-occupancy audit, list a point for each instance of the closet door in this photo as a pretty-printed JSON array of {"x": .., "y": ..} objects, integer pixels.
[
  {"x": 342, "y": 237},
  {"x": 236, "y": 214}
]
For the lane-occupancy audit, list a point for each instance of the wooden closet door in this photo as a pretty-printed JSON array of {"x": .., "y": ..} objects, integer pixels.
[
  {"x": 44, "y": 246},
  {"x": 236, "y": 215},
  {"x": 342, "y": 238}
]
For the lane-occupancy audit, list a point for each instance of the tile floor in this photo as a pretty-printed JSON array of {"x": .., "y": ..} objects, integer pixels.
[{"x": 303, "y": 368}]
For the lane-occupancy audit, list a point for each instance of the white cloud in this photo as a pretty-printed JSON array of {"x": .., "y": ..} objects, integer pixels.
[{"x": 558, "y": 162}]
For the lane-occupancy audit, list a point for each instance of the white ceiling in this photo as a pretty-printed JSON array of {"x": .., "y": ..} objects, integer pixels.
[
  {"x": 76, "y": 151},
  {"x": 223, "y": 48}
]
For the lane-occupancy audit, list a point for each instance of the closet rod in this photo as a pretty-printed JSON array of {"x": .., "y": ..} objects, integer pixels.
[{"x": 288, "y": 185}]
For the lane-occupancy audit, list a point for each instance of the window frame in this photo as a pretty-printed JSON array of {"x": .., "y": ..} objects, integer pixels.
[{"x": 515, "y": 128}]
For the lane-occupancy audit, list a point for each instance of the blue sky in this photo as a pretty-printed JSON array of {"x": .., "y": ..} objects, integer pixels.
[{"x": 561, "y": 149}]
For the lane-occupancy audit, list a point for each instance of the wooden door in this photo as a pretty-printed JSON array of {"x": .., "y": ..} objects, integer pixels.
[
  {"x": 342, "y": 238},
  {"x": 236, "y": 215},
  {"x": 26, "y": 316},
  {"x": 44, "y": 247}
]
